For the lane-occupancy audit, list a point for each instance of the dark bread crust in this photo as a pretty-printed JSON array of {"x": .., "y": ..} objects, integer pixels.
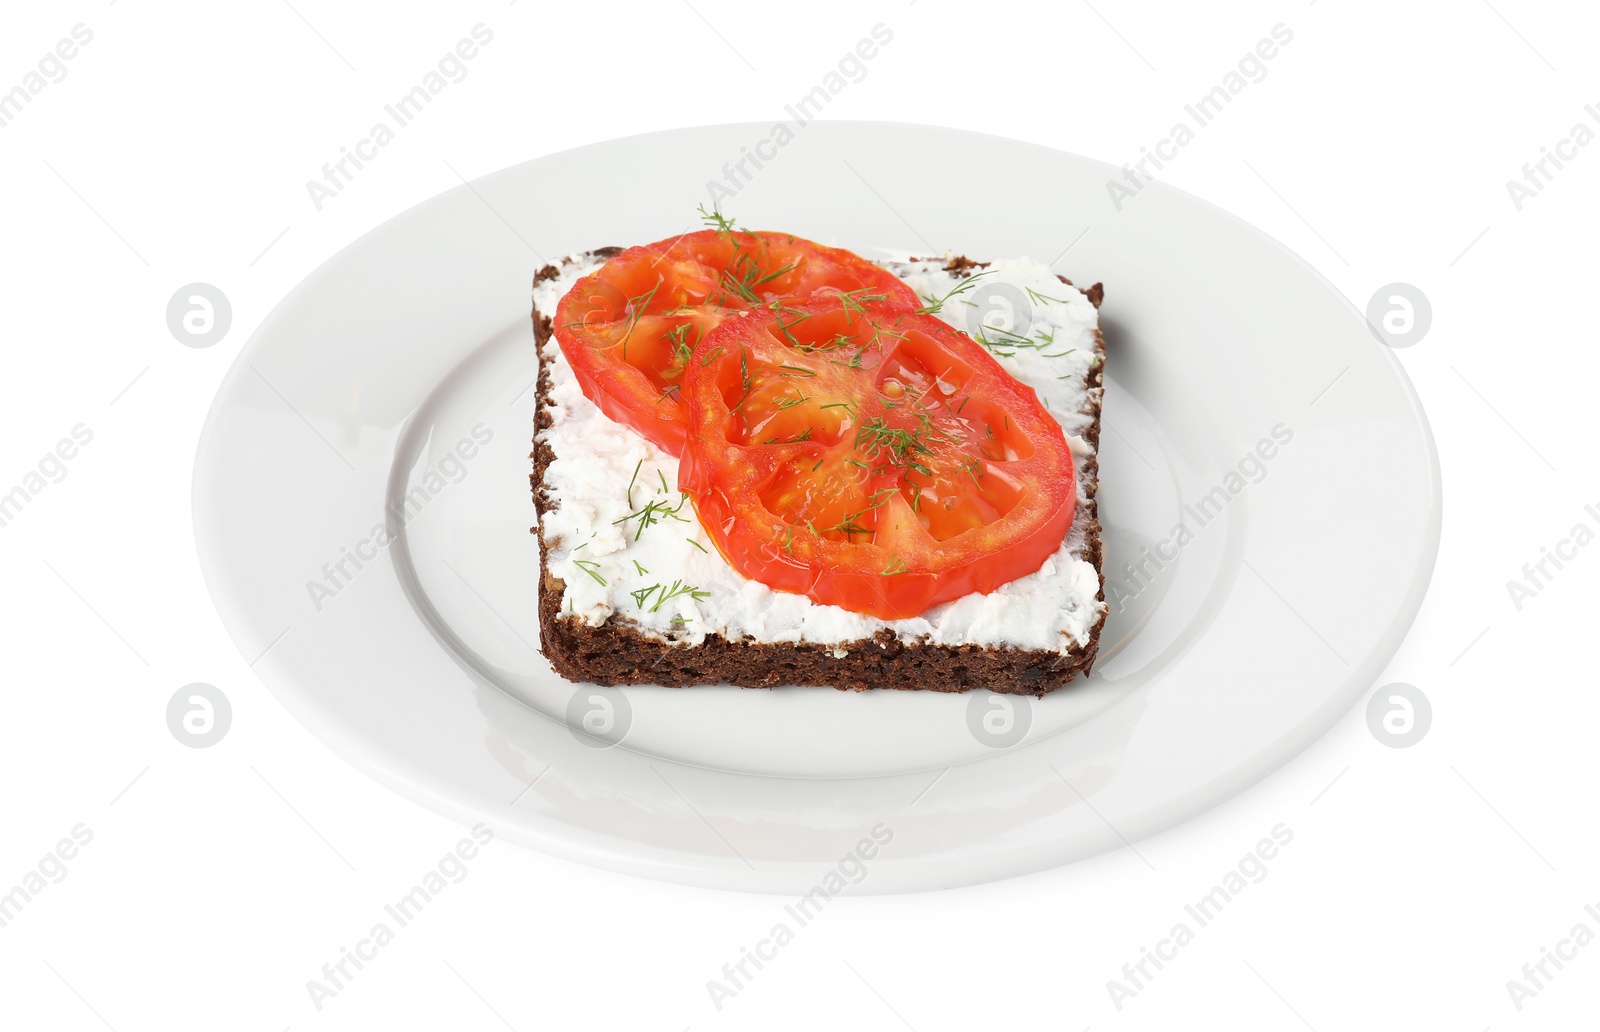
[{"x": 617, "y": 652}]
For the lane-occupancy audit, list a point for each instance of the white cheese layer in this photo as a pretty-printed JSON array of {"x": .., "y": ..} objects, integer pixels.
[{"x": 1041, "y": 330}]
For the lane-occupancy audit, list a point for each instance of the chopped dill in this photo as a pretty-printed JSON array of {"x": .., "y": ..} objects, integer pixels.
[
  {"x": 678, "y": 588},
  {"x": 631, "y": 480},
  {"x": 876, "y": 437},
  {"x": 856, "y": 301},
  {"x": 839, "y": 340},
  {"x": 681, "y": 348},
  {"x": 935, "y": 304},
  {"x": 653, "y": 513},
  {"x": 1039, "y": 298},
  {"x": 716, "y": 220},
  {"x": 636, "y": 307},
  {"x": 849, "y": 525}
]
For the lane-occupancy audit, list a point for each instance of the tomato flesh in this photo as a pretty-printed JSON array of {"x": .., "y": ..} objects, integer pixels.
[
  {"x": 870, "y": 457},
  {"x": 628, "y": 329}
]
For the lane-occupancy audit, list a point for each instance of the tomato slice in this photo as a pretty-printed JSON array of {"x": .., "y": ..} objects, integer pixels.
[
  {"x": 870, "y": 458},
  {"x": 628, "y": 328}
]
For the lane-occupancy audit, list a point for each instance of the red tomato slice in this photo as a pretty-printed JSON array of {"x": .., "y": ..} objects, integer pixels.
[
  {"x": 870, "y": 458},
  {"x": 628, "y": 328}
]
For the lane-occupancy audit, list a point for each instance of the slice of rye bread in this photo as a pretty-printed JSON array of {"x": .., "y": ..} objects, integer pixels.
[{"x": 617, "y": 652}]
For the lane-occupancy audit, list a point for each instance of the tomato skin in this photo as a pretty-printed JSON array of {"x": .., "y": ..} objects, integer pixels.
[
  {"x": 870, "y": 457},
  {"x": 627, "y": 329}
]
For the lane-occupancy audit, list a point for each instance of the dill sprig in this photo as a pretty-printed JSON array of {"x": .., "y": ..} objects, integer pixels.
[
  {"x": 786, "y": 328},
  {"x": 744, "y": 274},
  {"x": 879, "y": 332},
  {"x": 855, "y": 301},
  {"x": 592, "y": 568},
  {"x": 716, "y": 220},
  {"x": 740, "y": 284},
  {"x": 936, "y": 304},
  {"x": 925, "y": 424},
  {"x": 1009, "y": 344},
  {"x": 848, "y": 525},
  {"x": 1012, "y": 337},
  {"x": 678, "y": 337},
  {"x": 665, "y": 595},
  {"x": 745, "y": 382},
  {"x": 775, "y": 273},
  {"x": 654, "y": 512},
  {"x": 839, "y": 340},
  {"x": 631, "y": 480},
  {"x": 876, "y": 437},
  {"x": 636, "y": 307}
]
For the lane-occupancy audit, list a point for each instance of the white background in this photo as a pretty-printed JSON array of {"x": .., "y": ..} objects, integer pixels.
[{"x": 220, "y": 880}]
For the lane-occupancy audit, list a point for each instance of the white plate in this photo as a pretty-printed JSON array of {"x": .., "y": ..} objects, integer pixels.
[{"x": 421, "y": 667}]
